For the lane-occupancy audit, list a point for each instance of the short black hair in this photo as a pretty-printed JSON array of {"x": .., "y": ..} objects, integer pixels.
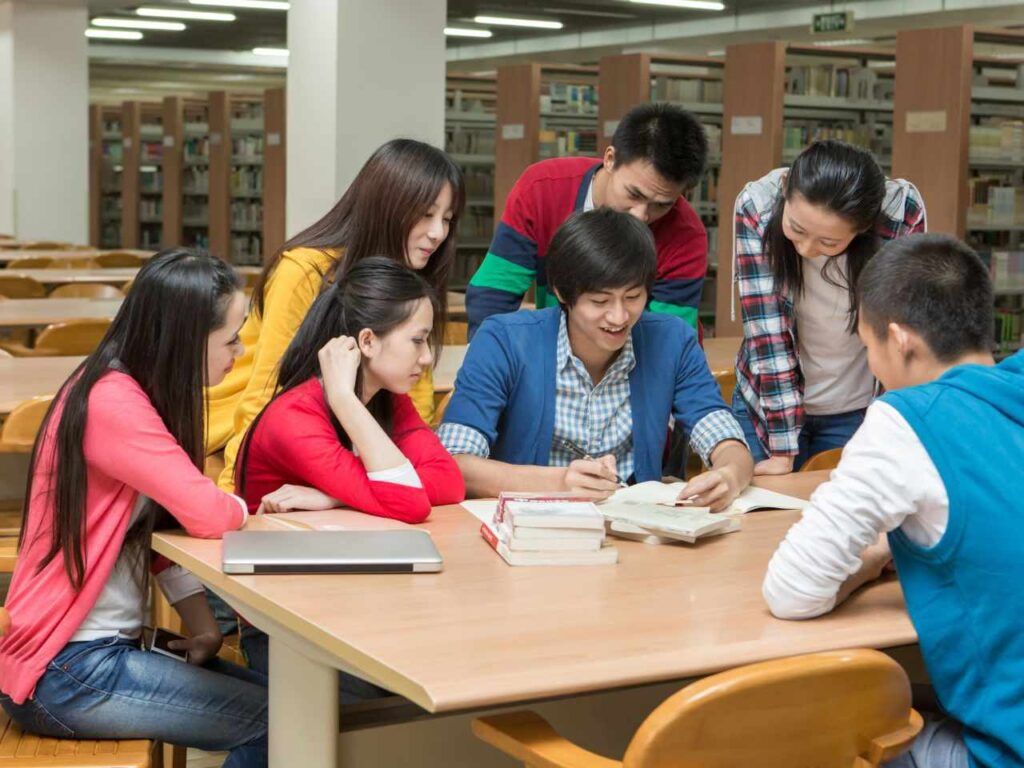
[
  {"x": 935, "y": 285},
  {"x": 598, "y": 250},
  {"x": 671, "y": 138}
]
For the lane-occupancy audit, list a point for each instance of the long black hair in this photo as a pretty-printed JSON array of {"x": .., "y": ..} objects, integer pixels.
[
  {"x": 158, "y": 337},
  {"x": 845, "y": 180},
  {"x": 377, "y": 293},
  {"x": 392, "y": 191}
]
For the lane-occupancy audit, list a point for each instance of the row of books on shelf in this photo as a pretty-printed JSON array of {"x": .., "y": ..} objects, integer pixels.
[
  {"x": 1006, "y": 268},
  {"x": 247, "y": 147},
  {"x": 246, "y": 215},
  {"x": 560, "y": 143},
  {"x": 668, "y": 88},
  {"x": 110, "y": 207},
  {"x": 479, "y": 182},
  {"x": 462, "y": 101},
  {"x": 994, "y": 139},
  {"x": 1008, "y": 331},
  {"x": 476, "y": 225},
  {"x": 110, "y": 235},
  {"x": 570, "y": 99},
  {"x": 994, "y": 200},
  {"x": 196, "y": 150},
  {"x": 247, "y": 249},
  {"x": 872, "y": 136},
  {"x": 849, "y": 82},
  {"x": 151, "y": 209},
  {"x": 461, "y": 140}
]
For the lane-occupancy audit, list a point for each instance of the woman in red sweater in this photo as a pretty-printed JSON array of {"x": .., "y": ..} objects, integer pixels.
[
  {"x": 121, "y": 453},
  {"x": 341, "y": 430}
]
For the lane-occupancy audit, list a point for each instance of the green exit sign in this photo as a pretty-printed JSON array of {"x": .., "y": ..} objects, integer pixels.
[{"x": 840, "y": 21}]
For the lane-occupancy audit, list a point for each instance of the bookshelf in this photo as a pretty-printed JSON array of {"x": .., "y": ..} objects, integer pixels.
[
  {"x": 142, "y": 175},
  {"x": 470, "y": 102},
  {"x": 696, "y": 84},
  {"x": 543, "y": 111},
  {"x": 106, "y": 167}
]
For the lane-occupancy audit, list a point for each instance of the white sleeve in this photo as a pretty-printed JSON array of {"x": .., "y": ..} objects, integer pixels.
[
  {"x": 176, "y": 583},
  {"x": 885, "y": 479},
  {"x": 403, "y": 474}
]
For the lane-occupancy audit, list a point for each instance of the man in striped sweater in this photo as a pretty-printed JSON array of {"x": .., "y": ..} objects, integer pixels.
[{"x": 657, "y": 154}]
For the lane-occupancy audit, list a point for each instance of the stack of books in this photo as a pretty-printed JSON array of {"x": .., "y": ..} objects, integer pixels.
[{"x": 548, "y": 529}]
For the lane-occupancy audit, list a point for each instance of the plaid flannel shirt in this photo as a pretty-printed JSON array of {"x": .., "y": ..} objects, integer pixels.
[{"x": 768, "y": 376}]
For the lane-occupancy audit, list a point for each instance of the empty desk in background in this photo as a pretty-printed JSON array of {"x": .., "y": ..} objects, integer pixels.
[
  {"x": 37, "y": 313},
  {"x": 22, "y": 378}
]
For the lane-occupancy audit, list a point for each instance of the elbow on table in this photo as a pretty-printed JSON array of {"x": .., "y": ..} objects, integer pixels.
[
  {"x": 786, "y": 605},
  {"x": 214, "y": 526}
]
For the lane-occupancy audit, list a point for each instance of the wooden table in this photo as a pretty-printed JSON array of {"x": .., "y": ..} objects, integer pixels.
[
  {"x": 15, "y": 255},
  {"x": 111, "y": 275},
  {"x": 36, "y": 313},
  {"x": 482, "y": 633},
  {"x": 22, "y": 378}
]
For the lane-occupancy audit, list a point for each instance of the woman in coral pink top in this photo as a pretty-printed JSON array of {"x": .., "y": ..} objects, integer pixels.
[
  {"x": 121, "y": 453},
  {"x": 342, "y": 421}
]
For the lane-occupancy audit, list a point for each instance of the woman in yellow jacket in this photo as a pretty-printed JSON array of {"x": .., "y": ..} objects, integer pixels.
[{"x": 405, "y": 203}]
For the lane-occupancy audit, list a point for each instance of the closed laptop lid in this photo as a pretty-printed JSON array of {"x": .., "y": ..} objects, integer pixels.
[{"x": 401, "y": 551}]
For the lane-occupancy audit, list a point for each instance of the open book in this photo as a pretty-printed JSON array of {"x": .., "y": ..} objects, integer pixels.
[{"x": 667, "y": 494}]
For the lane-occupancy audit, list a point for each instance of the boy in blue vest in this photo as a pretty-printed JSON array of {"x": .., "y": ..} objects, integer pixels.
[
  {"x": 578, "y": 397},
  {"x": 937, "y": 466}
]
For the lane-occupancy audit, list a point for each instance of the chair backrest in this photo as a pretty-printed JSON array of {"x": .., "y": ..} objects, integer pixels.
[
  {"x": 727, "y": 384},
  {"x": 456, "y": 332},
  {"x": 119, "y": 259},
  {"x": 19, "y": 431},
  {"x": 86, "y": 291},
  {"x": 47, "y": 245},
  {"x": 440, "y": 408},
  {"x": 71, "y": 337},
  {"x": 74, "y": 262},
  {"x": 33, "y": 262},
  {"x": 21, "y": 287},
  {"x": 840, "y": 709},
  {"x": 825, "y": 460}
]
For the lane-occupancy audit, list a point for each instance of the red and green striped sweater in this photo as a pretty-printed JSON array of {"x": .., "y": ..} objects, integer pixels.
[{"x": 544, "y": 197}]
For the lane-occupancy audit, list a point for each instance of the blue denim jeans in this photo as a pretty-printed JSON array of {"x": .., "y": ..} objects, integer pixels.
[
  {"x": 110, "y": 689},
  {"x": 819, "y": 433},
  {"x": 938, "y": 745}
]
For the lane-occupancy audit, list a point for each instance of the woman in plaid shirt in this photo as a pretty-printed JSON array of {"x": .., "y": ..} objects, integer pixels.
[{"x": 802, "y": 237}]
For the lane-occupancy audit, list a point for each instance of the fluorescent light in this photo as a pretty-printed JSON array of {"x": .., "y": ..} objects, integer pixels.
[
  {"x": 270, "y": 51},
  {"x": 174, "y": 13},
  {"x": 695, "y": 5},
  {"x": 504, "y": 21},
  {"x": 113, "y": 34},
  {"x": 256, "y": 5},
  {"x": 463, "y": 32},
  {"x": 840, "y": 43},
  {"x": 169, "y": 26}
]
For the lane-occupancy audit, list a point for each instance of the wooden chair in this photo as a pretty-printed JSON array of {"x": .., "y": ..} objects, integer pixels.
[
  {"x": 65, "y": 339},
  {"x": 74, "y": 262},
  {"x": 440, "y": 407},
  {"x": 727, "y": 384},
  {"x": 21, "y": 287},
  {"x": 35, "y": 262},
  {"x": 119, "y": 259},
  {"x": 86, "y": 291},
  {"x": 26, "y": 750},
  {"x": 841, "y": 709},
  {"x": 454, "y": 332},
  {"x": 825, "y": 460},
  {"x": 18, "y": 433},
  {"x": 47, "y": 245},
  {"x": 127, "y": 286}
]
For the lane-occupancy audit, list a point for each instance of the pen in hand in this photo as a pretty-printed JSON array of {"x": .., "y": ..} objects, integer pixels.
[{"x": 579, "y": 453}]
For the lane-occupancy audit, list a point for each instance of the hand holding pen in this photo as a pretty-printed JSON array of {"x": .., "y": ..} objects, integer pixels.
[{"x": 587, "y": 476}]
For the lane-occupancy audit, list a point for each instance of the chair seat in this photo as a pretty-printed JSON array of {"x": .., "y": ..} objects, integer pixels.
[{"x": 25, "y": 750}]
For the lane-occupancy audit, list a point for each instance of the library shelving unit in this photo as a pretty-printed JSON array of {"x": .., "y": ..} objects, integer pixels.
[
  {"x": 959, "y": 136},
  {"x": 774, "y": 91},
  {"x": 470, "y": 102},
  {"x": 142, "y": 177},
  {"x": 694, "y": 83},
  {"x": 543, "y": 111},
  {"x": 186, "y": 172},
  {"x": 106, "y": 167}
]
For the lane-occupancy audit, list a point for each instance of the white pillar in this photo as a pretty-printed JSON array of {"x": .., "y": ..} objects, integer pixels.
[
  {"x": 44, "y": 126},
  {"x": 360, "y": 72}
]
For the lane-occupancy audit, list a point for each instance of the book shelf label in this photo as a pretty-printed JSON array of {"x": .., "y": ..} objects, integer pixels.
[
  {"x": 933, "y": 121},
  {"x": 513, "y": 131},
  {"x": 127, "y": 142},
  {"x": 168, "y": 141},
  {"x": 215, "y": 139},
  {"x": 274, "y": 139},
  {"x": 609, "y": 128},
  {"x": 746, "y": 125}
]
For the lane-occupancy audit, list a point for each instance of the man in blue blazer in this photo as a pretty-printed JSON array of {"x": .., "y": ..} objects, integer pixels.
[{"x": 579, "y": 397}]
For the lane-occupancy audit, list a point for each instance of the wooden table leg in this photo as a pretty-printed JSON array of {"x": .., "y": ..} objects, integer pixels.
[{"x": 303, "y": 709}]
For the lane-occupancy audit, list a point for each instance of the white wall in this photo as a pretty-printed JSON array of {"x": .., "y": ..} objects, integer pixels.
[
  {"x": 360, "y": 72},
  {"x": 44, "y": 143}
]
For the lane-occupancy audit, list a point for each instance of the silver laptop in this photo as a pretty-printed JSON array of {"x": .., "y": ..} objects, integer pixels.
[{"x": 394, "y": 551}]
